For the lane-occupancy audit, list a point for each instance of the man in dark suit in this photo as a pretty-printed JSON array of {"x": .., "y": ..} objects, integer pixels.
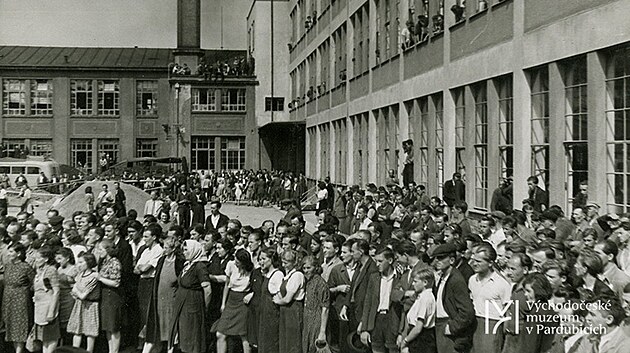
[
  {"x": 538, "y": 197},
  {"x": 128, "y": 284},
  {"x": 198, "y": 207},
  {"x": 339, "y": 284},
  {"x": 408, "y": 257},
  {"x": 454, "y": 190},
  {"x": 216, "y": 219},
  {"x": 185, "y": 201},
  {"x": 455, "y": 314},
  {"x": 352, "y": 309},
  {"x": 382, "y": 312}
]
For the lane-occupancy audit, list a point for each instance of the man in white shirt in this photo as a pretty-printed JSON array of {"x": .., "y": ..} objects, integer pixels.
[
  {"x": 153, "y": 206},
  {"x": 104, "y": 197},
  {"x": 490, "y": 232},
  {"x": 488, "y": 291},
  {"x": 381, "y": 313}
]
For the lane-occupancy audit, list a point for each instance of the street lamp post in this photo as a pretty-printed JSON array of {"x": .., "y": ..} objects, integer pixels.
[{"x": 177, "y": 119}]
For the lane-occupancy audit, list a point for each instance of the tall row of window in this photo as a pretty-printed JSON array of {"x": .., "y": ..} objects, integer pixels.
[
  {"x": 618, "y": 128},
  {"x": 205, "y": 99},
  {"x": 22, "y": 97},
  {"x": 35, "y": 98}
]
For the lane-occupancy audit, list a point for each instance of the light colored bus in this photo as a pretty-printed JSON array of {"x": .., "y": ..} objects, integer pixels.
[{"x": 31, "y": 167}]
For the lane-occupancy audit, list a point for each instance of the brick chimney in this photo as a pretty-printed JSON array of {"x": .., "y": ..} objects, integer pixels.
[{"x": 188, "y": 33}]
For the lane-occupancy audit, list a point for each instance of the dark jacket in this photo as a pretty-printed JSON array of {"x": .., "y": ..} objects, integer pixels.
[
  {"x": 153, "y": 323},
  {"x": 405, "y": 283},
  {"x": 223, "y": 221},
  {"x": 338, "y": 276},
  {"x": 355, "y": 300},
  {"x": 539, "y": 197},
  {"x": 461, "y": 312},
  {"x": 454, "y": 191},
  {"x": 372, "y": 299}
]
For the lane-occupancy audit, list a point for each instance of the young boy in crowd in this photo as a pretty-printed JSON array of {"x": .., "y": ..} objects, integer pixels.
[{"x": 418, "y": 326}]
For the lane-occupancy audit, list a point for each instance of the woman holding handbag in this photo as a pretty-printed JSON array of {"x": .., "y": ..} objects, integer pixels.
[{"x": 46, "y": 300}]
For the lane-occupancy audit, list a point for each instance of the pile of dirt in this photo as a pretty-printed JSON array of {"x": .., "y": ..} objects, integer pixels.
[{"x": 136, "y": 198}]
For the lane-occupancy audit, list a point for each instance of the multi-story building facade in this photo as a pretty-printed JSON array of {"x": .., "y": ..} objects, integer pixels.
[
  {"x": 76, "y": 104},
  {"x": 268, "y": 32},
  {"x": 491, "y": 88}
]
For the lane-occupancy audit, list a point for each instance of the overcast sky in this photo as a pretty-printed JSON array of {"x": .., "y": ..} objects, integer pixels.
[{"x": 117, "y": 23}]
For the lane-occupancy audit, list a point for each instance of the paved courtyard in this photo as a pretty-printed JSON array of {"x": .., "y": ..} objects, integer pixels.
[{"x": 254, "y": 216}]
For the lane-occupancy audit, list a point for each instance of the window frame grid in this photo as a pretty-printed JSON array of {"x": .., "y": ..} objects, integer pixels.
[
  {"x": 146, "y": 87},
  {"x": 36, "y": 147},
  {"x": 79, "y": 146},
  {"x": 109, "y": 146},
  {"x": 226, "y": 100},
  {"x": 539, "y": 92},
  {"x": 480, "y": 96},
  {"x": 8, "y": 91},
  {"x": 211, "y": 99},
  {"x": 618, "y": 142},
  {"x": 89, "y": 99},
  {"x": 37, "y": 94},
  {"x": 146, "y": 147},
  {"x": 506, "y": 125},
  {"x": 227, "y": 153},
  {"x": 102, "y": 95}
]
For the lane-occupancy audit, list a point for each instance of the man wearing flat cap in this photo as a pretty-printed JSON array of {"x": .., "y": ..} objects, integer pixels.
[{"x": 455, "y": 313}]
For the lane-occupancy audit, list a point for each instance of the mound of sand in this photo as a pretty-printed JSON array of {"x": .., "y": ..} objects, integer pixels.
[{"x": 136, "y": 198}]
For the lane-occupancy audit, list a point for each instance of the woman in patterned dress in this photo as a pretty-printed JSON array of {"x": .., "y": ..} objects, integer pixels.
[
  {"x": 160, "y": 312},
  {"x": 111, "y": 294},
  {"x": 16, "y": 302},
  {"x": 85, "y": 316},
  {"x": 316, "y": 302},
  {"x": 46, "y": 300},
  {"x": 67, "y": 272}
]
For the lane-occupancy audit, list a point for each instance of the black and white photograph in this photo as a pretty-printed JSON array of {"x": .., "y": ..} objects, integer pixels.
[{"x": 314, "y": 176}]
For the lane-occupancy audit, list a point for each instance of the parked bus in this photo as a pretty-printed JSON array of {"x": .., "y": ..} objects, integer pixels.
[{"x": 30, "y": 168}]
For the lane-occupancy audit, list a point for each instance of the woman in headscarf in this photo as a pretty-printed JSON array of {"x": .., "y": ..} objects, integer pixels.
[{"x": 192, "y": 296}]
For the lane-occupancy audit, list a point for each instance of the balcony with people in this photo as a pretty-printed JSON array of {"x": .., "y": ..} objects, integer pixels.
[{"x": 216, "y": 69}]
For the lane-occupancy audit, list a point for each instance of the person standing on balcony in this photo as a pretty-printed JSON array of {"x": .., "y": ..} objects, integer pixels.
[{"x": 407, "y": 173}]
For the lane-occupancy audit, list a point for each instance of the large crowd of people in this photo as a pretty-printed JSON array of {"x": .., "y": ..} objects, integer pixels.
[{"x": 388, "y": 269}]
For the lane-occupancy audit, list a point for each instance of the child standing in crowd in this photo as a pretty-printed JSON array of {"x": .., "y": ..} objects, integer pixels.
[
  {"x": 85, "y": 316},
  {"x": 418, "y": 333},
  {"x": 67, "y": 273}
]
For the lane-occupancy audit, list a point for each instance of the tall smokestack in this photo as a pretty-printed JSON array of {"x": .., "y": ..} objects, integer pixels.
[
  {"x": 188, "y": 24},
  {"x": 188, "y": 33}
]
